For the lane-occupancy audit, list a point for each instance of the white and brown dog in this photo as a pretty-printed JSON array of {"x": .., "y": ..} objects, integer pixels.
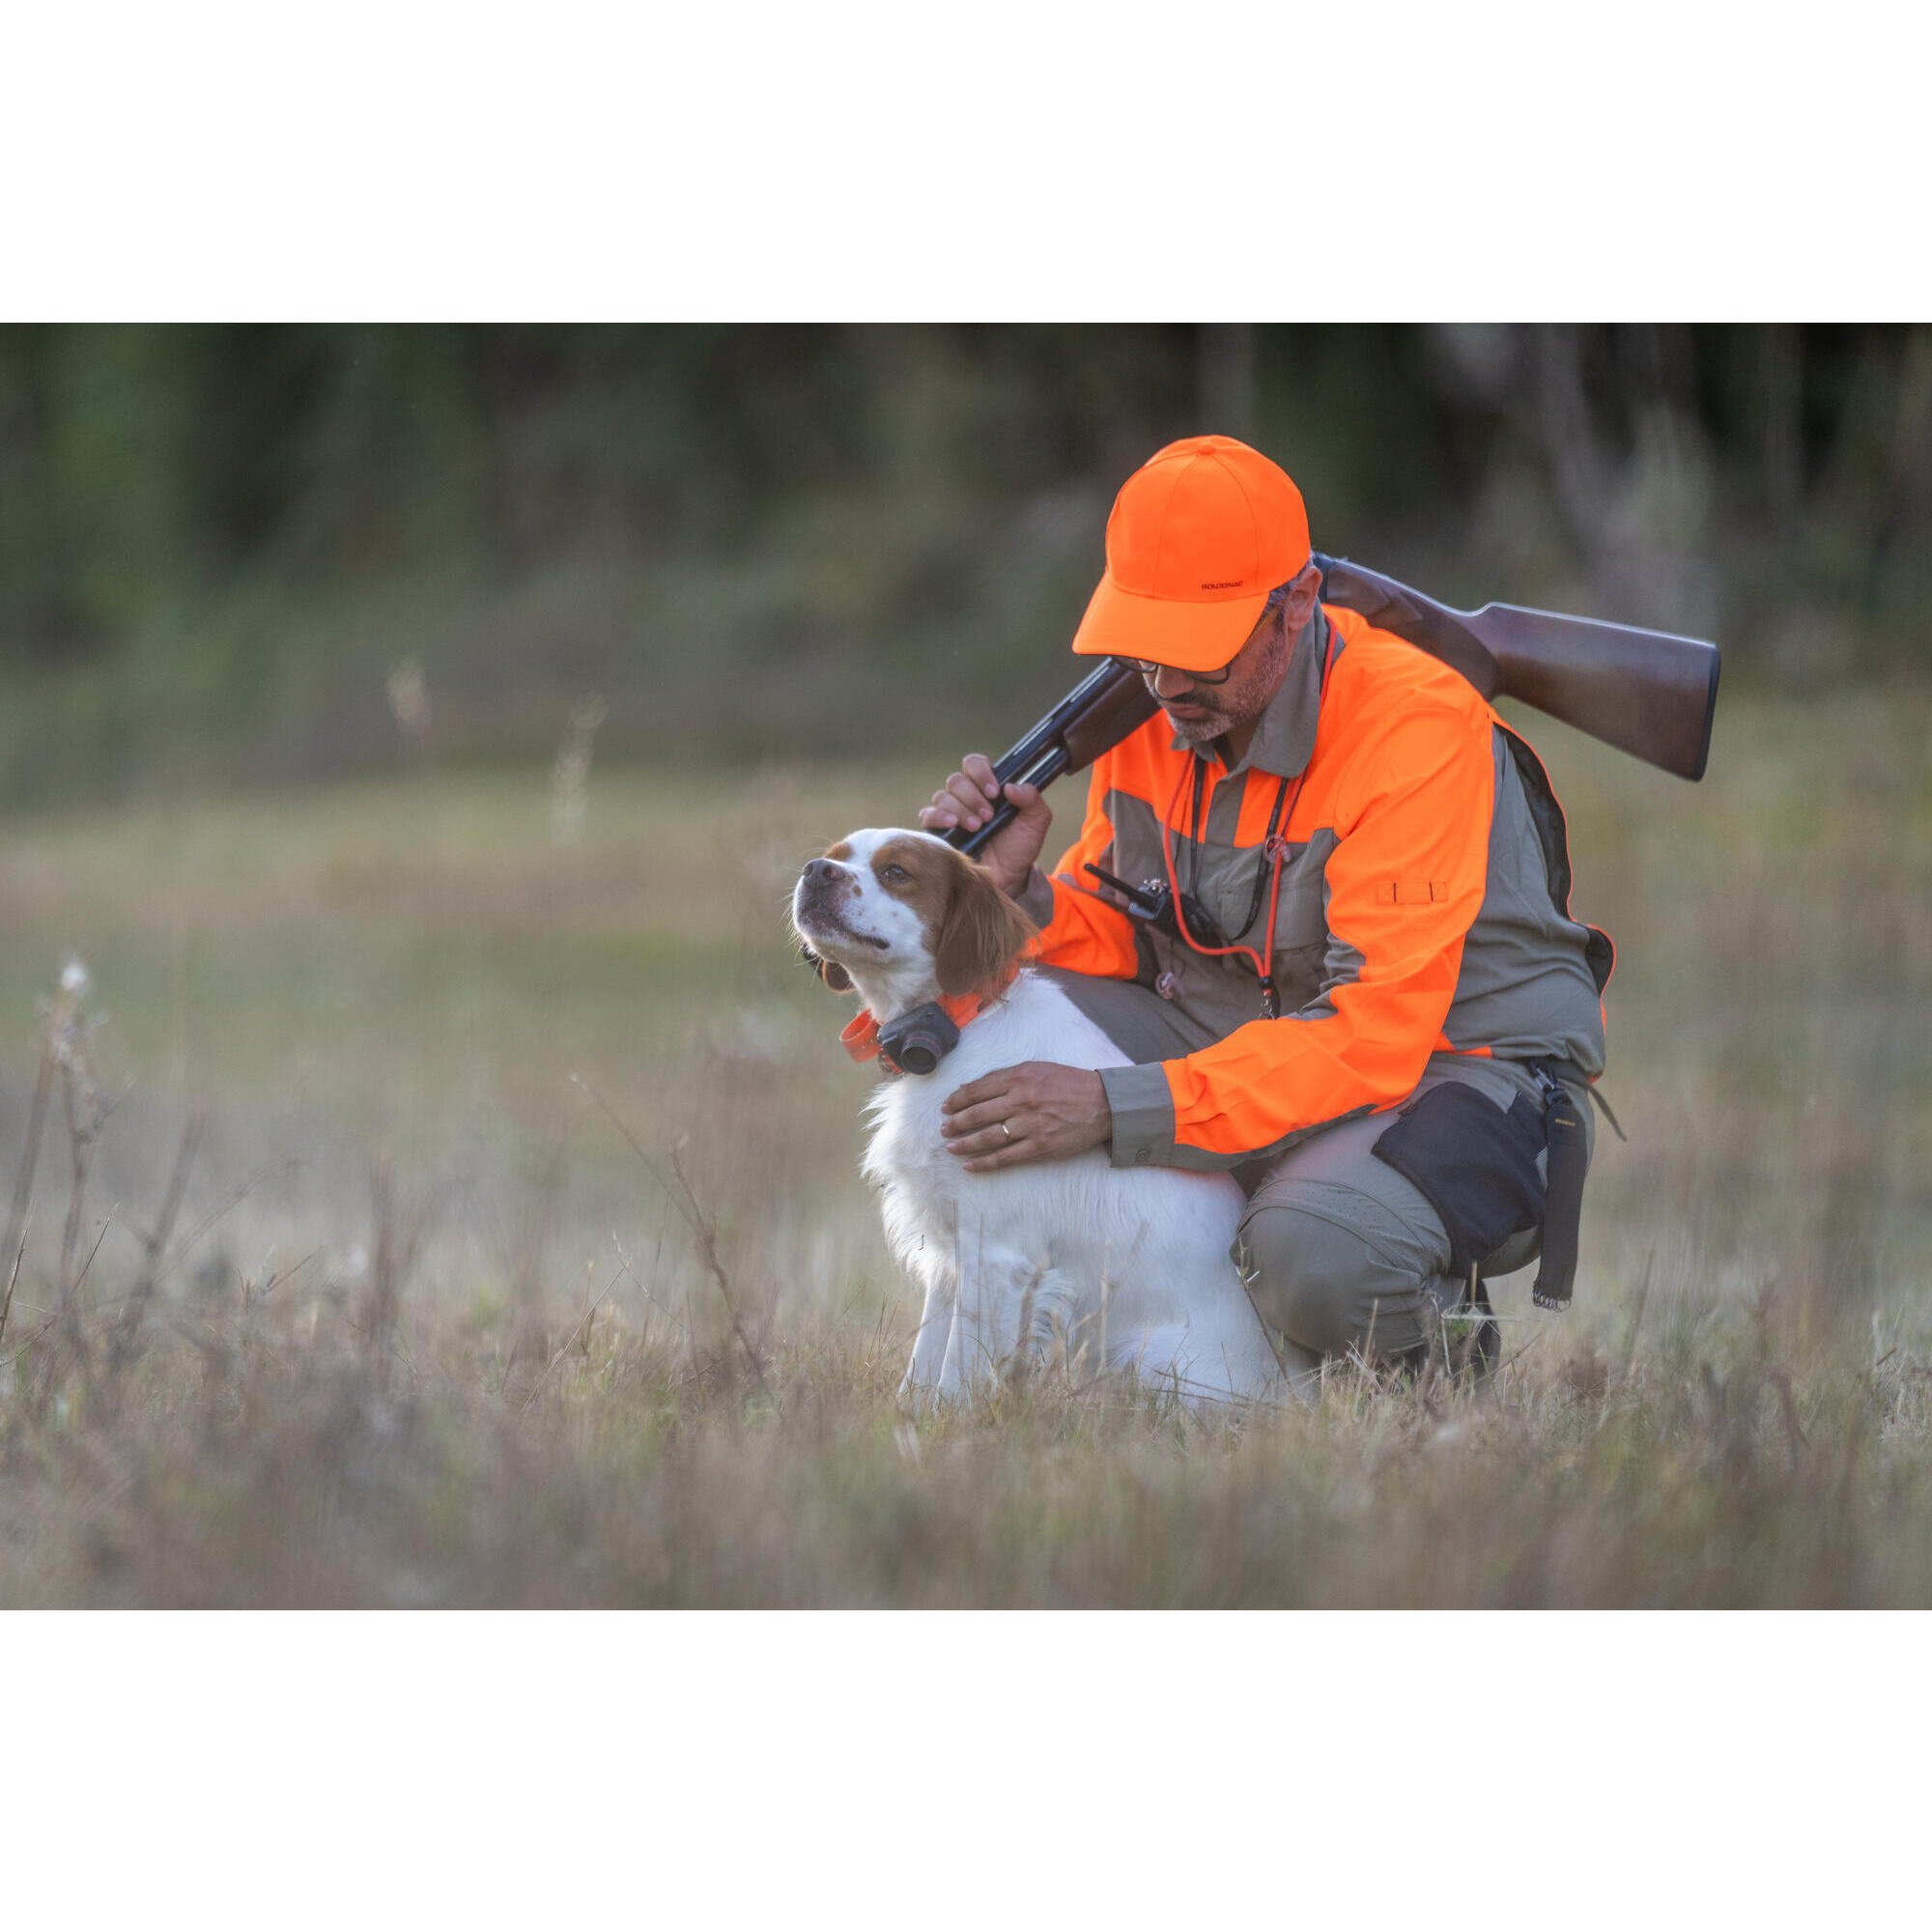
[{"x": 1130, "y": 1266}]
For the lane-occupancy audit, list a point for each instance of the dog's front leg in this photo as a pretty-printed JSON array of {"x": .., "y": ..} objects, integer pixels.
[
  {"x": 935, "y": 1330},
  {"x": 991, "y": 1314}
]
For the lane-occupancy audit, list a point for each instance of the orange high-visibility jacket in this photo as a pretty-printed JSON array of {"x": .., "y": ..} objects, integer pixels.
[{"x": 1423, "y": 906}]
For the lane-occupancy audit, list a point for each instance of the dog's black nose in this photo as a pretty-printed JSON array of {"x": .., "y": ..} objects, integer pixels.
[{"x": 822, "y": 871}]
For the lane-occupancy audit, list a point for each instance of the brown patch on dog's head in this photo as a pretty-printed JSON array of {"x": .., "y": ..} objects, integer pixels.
[{"x": 973, "y": 930}]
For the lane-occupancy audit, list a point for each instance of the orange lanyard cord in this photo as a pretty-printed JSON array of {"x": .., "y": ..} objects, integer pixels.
[{"x": 1262, "y": 962}]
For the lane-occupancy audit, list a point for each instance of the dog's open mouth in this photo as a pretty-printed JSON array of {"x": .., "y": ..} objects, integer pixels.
[{"x": 832, "y": 925}]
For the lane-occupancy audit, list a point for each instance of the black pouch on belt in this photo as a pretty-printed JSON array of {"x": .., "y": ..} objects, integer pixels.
[
  {"x": 1476, "y": 1166},
  {"x": 1473, "y": 1163}
]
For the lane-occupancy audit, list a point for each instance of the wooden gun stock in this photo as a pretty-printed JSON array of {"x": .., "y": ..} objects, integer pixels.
[{"x": 1648, "y": 693}]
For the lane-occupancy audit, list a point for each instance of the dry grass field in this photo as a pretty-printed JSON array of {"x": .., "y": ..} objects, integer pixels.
[{"x": 367, "y": 1298}]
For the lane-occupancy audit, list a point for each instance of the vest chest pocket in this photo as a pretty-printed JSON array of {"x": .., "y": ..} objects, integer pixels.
[{"x": 1300, "y": 942}]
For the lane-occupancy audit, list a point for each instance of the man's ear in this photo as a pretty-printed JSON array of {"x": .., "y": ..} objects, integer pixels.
[
  {"x": 833, "y": 975},
  {"x": 983, "y": 934},
  {"x": 1299, "y": 605}
]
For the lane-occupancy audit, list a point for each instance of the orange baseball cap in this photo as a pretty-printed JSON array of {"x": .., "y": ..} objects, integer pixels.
[{"x": 1201, "y": 533}]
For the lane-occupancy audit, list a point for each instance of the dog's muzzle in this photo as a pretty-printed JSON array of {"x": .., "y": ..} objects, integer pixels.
[{"x": 823, "y": 890}]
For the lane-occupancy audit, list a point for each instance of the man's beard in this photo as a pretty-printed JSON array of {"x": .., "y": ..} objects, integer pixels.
[
  {"x": 1239, "y": 702},
  {"x": 1214, "y": 724},
  {"x": 1203, "y": 730},
  {"x": 1198, "y": 731}
]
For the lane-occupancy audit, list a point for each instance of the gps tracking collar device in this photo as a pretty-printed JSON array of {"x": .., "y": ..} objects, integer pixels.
[{"x": 919, "y": 1039}]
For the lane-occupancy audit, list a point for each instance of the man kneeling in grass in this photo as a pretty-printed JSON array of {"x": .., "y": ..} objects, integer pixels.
[{"x": 1323, "y": 881}]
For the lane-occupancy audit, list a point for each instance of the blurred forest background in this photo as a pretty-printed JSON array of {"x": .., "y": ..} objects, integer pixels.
[{"x": 218, "y": 546}]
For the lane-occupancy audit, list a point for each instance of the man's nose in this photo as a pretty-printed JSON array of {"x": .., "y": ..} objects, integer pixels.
[{"x": 1168, "y": 682}]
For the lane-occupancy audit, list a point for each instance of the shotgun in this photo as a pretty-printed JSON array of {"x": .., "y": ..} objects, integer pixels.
[{"x": 1648, "y": 693}]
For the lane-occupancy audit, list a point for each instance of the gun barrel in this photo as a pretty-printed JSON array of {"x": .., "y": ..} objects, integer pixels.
[
  {"x": 1042, "y": 772},
  {"x": 1098, "y": 713}
]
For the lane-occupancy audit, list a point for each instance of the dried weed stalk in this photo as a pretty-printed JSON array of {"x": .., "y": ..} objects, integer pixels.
[{"x": 702, "y": 1229}]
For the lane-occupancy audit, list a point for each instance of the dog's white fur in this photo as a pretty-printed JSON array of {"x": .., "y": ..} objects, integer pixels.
[{"x": 1128, "y": 1268}]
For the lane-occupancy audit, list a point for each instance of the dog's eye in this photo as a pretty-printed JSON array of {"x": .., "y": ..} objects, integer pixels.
[{"x": 893, "y": 874}]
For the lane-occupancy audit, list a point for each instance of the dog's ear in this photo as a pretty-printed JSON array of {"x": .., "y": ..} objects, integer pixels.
[
  {"x": 828, "y": 971},
  {"x": 984, "y": 932}
]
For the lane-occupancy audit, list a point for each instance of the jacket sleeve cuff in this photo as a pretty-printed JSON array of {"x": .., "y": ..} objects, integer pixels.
[
  {"x": 1034, "y": 899},
  {"x": 1143, "y": 1110}
]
